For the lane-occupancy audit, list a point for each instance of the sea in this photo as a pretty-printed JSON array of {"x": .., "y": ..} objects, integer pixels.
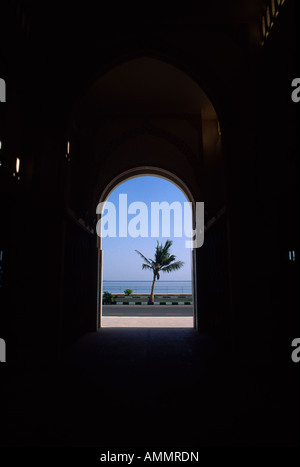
[{"x": 145, "y": 286}]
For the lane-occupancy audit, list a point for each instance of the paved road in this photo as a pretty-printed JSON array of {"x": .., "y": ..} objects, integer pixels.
[{"x": 147, "y": 310}]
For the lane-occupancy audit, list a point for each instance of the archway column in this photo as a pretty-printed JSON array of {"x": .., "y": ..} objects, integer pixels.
[{"x": 100, "y": 288}]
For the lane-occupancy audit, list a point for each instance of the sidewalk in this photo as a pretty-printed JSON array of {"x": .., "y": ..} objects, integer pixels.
[
  {"x": 147, "y": 316},
  {"x": 147, "y": 322}
]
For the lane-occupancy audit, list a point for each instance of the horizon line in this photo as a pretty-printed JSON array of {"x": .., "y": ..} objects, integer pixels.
[{"x": 147, "y": 280}]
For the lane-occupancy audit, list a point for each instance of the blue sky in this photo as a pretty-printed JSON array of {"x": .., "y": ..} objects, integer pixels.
[{"x": 120, "y": 261}]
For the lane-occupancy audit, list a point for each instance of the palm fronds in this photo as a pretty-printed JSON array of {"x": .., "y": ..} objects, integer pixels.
[
  {"x": 173, "y": 267},
  {"x": 144, "y": 257}
]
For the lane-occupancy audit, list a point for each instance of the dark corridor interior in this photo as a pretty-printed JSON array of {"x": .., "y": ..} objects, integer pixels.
[
  {"x": 147, "y": 387},
  {"x": 90, "y": 95}
]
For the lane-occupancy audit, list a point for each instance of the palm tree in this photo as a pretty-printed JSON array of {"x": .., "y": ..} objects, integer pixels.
[{"x": 163, "y": 261}]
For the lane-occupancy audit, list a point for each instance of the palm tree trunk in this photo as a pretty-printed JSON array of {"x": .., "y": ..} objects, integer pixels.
[{"x": 151, "y": 298}]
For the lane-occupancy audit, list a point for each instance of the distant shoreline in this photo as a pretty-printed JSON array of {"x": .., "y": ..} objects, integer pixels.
[
  {"x": 106, "y": 280},
  {"x": 144, "y": 287},
  {"x": 159, "y": 294}
]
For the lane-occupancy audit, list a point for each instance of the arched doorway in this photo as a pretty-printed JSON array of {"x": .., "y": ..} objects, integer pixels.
[
  {"x": 174, "y": 180},
  {"x": 148, "y": 115}
]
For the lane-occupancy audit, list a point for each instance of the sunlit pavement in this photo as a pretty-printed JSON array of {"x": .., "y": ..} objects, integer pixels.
[
  {"x": 146, "y": 316},
  {"x": 147, "y": 322}
]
